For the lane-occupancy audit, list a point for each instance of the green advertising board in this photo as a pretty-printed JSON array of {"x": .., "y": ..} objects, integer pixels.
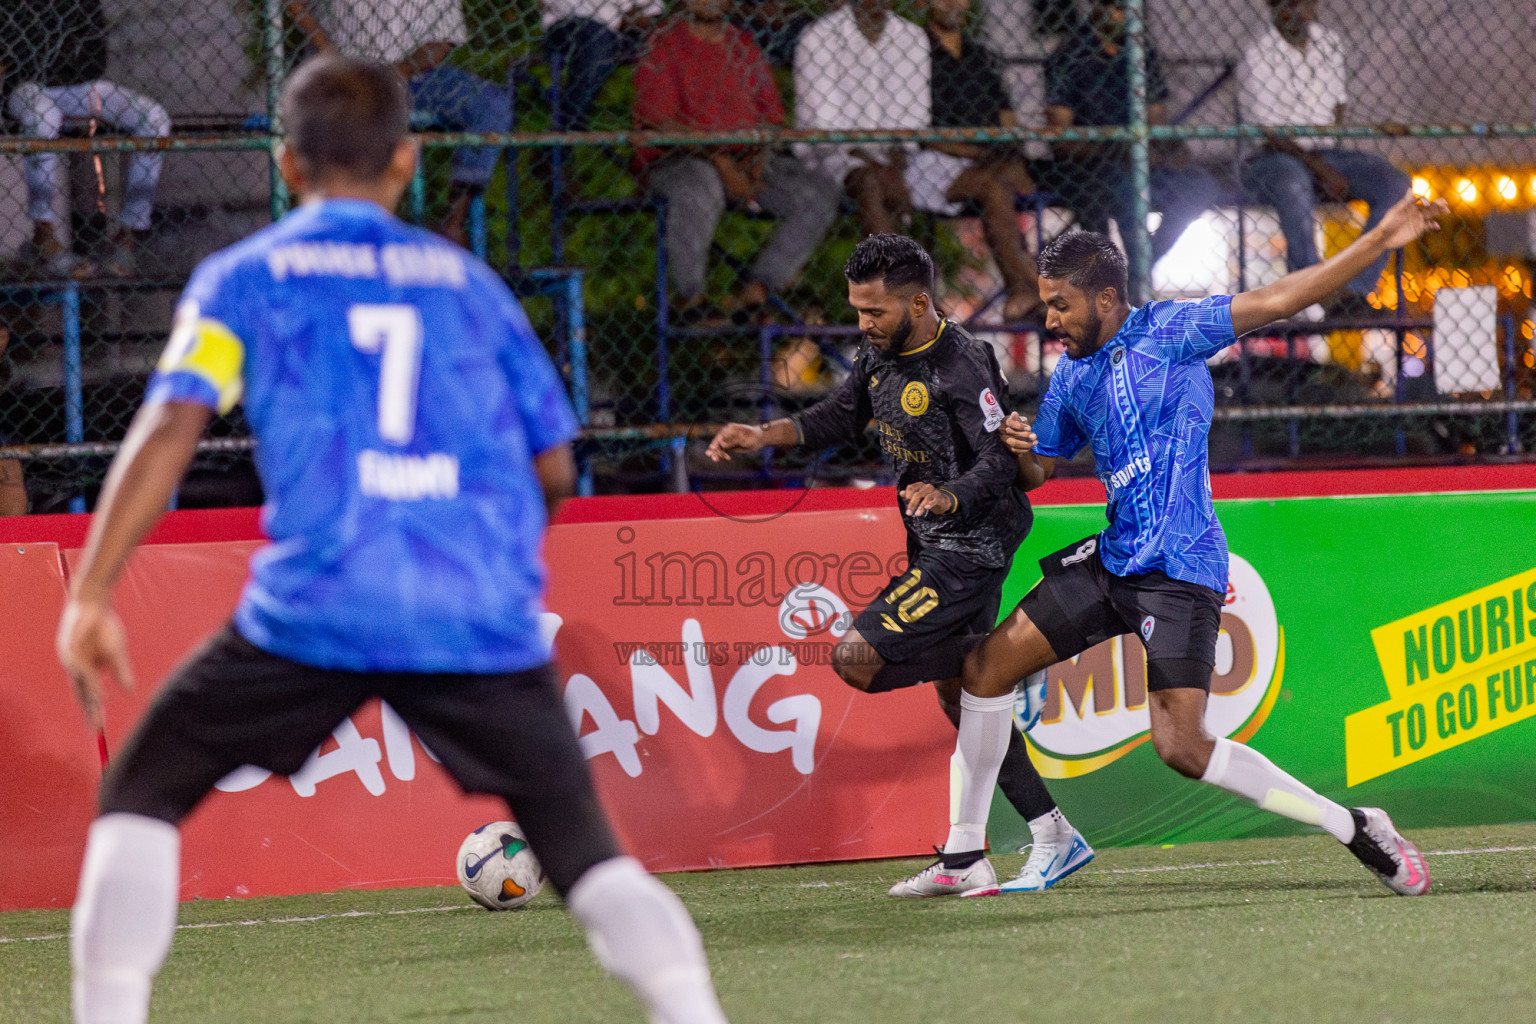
[{"x": 1381, "y": 649}]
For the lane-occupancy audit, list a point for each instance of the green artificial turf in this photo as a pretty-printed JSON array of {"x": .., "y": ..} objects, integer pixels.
[{"x": 1261, "y": 930}]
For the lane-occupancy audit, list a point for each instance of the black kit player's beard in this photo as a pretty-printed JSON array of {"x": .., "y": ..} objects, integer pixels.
[{"x": 898, "y": 339}]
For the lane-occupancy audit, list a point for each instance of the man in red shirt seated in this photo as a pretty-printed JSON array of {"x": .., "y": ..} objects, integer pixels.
[{"x": 701, "y": 73}]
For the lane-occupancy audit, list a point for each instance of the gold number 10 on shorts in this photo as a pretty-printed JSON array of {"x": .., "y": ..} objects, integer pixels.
[{"x": 915, "y": 605}]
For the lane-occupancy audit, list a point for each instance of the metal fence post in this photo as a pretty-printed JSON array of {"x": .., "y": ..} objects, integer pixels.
[
  {"x": 74, "y": 377},
  {"x": 1138, "y": 243},
  {"x": 576, "y": 331},
  {"x": 272, "y": 47}
]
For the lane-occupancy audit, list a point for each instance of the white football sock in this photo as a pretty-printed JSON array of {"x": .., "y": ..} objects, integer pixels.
[
  {"x": 1050, "y": 828},
  {"x": 641, "y": 933},
  {"x": 1249, "y": 774},
  {"x": 984, "y": 726},
  {"x": 124, "y": 916}
]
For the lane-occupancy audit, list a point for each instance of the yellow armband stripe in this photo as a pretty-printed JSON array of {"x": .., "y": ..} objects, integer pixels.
[{"x": 212, "y": 352}]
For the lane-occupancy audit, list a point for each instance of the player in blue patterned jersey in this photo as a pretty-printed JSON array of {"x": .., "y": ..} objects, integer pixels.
[
  {"x": 1135, "y": 388},
  {"x": 413, "y": 437}
]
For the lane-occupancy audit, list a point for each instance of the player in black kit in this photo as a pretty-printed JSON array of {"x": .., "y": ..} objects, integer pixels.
[{"x": 935, "y": 395}]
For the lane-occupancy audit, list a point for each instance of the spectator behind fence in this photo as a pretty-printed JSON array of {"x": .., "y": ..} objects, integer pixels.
[
  {"x": 701, "y": 73},
  {"x": 776, "y": 26},
  {"x": 942, "y": 177},
  {"x": 1087, "y": 83},
  {"x": 416, "y": 37},
  {"x": 591, "y": 38},
  {"x": 53, "y": 54},
  {"x": 863, "y": 67},
  {"x": 1293, "y": 74}
]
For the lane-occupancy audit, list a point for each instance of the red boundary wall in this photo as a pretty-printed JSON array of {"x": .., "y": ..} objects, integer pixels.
[
  {"x": 202, "y": 525},
  {"x": 751, "y": 754}
]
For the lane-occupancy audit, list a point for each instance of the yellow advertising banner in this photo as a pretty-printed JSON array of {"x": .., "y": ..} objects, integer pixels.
[{"x": 1457, "y": 671}]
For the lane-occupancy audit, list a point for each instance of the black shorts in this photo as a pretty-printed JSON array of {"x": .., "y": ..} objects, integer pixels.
[
  {"x": 941, "y": 594},
  {"x": 233, "y": 703},
  {"x": 1080, "y": 604}
]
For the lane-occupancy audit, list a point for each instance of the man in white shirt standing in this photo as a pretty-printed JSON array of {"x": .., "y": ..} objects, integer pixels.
[
  {"x": 1293, "y": 74},
  {"x": 861, "y": 67},
  {"x": 591, "y": 38},
  {"x": 416, "y": 37}
]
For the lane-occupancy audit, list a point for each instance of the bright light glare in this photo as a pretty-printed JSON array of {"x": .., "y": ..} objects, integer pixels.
[
  {"x": 1466, "y": 190},
  {"x": 1508, "y": 190},
  {"x": 1198, "y": 263},
  {"x": 1421, "y": 187}
]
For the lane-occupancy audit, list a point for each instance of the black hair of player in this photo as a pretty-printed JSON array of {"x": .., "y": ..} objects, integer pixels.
[
  {"x": 1085, "y": 259},
  {"x": 897, "y": 261},
  {"x": 344, "y": 115}
]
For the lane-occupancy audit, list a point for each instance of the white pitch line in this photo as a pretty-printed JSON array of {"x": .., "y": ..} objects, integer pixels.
[
  {"x": 272, "y": 920},
  {"x": 1265, "y": 863},
  {"x": 1186, "y": 867},
  {"x": 438, "y": 910}
]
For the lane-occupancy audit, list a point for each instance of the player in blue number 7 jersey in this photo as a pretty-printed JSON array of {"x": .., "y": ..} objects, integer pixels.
[
  {"x": 1134, "y": 386},
  {"x": 412, "y": 438}
]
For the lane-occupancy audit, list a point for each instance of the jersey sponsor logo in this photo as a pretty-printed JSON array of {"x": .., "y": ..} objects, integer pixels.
[
  {"x": 1096, "y": 704},
  {"x": 1130, "y": 471},
  {"x": 400, "y": 263},
  {"x": 407, "y": 477},
  {"x": 914, "y": 398},
  {"x": 1148, "y": 624},
  {"x": 874, "y": 382},
  {"x": 991, "y": 410},
  {"x": 323, "y": 259},
  {"x": 1084, "y": 551}
]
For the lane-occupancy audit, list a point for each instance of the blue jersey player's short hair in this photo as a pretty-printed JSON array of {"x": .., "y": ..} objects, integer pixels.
[
  {"x": 1086, "y": 260},
  {"x": 344, "y": 115},
  {"x": 895, "y": 260}
]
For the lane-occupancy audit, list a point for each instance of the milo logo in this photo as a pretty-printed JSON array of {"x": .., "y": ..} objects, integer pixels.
[{"x": 1096, "y": 704}]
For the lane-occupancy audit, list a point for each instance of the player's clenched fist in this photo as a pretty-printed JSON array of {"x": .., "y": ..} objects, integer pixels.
[
  {"x": 924, "y": 498},
  {"x": 735, "y": 437},
  {"x": 1018, "y": 435},
  {"x": 89, "y": 642}
]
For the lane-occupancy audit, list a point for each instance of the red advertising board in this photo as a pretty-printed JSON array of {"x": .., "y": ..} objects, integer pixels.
[
  {"x": 692, "y": 638},
  {"x": 48, "y": 759},
  {"x": 693, "y": 655}
]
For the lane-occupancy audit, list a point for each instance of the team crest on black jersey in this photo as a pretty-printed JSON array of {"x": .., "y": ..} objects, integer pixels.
[{"x": 914, "y": 398}]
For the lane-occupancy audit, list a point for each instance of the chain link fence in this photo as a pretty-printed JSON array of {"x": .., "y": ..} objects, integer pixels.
[{"x": 673, "y": 188}]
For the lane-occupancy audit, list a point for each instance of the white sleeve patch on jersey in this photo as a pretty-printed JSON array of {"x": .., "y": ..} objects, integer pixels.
[{"x": 991, "y": 410}]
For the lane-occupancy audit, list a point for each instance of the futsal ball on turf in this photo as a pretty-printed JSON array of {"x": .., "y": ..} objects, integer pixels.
[{"x": 496, "y": 867}]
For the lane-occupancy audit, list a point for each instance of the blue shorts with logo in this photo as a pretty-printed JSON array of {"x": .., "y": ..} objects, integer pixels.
[{"x": 1080, "y": 604}]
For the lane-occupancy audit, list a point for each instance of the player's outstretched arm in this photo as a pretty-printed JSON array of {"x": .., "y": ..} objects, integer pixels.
[
  {"x": 744, "y": 437},
  {"x": 1410, "y": 219},
  {"x": 150, "y": 464},
  {"x": 1019, "y": 438}
]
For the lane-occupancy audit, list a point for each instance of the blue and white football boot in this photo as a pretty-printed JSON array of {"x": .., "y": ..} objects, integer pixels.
[
  {"x": 1029, "y": 701},
  {"x": 1049, "y": 862}
]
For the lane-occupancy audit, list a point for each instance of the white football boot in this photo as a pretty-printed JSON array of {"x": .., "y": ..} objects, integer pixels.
[
  {"x": 936, "y": 880},
  {"x": 1389, "y": 856}
]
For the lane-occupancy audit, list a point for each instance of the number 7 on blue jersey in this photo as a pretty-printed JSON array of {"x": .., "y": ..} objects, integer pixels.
[{"x": 396, "y": 330}]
